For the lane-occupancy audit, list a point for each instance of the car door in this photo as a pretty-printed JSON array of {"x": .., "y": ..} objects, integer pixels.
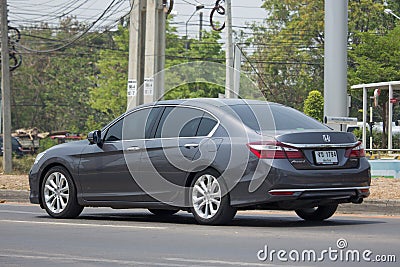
[
  {"x": 168, "y": 157},
  {"x": 106, "y": 172}
]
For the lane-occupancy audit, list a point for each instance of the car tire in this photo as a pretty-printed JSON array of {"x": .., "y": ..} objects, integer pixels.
[
  {"x": 209, "y": 199},
  {"x": 160, "y": 212},
  {"x": 319, "y": 213},
  {"x": 59, "y": 195}
]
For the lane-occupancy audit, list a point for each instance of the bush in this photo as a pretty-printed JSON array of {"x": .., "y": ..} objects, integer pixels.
[
  {"x": 314, "y": 105},
  {"x": 46, "y": 143}
]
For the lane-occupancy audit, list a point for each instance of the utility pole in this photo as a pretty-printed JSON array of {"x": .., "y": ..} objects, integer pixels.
[
  {"x": 229, "y": 51},
  {"x": 335, "y": 60},
  {"x": 154, "y": 51},
  {"x": 236, "y": 74},
  {"x": 137, "y": 38},
  {"x": 146, "y": 52},
  {"x": 5, "y": 90},
  {"x": 201, "y": 26}
]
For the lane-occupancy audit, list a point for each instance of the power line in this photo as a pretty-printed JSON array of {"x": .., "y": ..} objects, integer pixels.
[{"x": 76, "y": 38}]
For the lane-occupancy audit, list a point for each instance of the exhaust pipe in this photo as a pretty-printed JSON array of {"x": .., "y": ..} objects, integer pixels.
[{"x": 356, "y": 200}]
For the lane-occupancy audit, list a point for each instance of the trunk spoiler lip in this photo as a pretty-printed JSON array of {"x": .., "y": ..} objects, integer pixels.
[{"x": 340, "y": 145}]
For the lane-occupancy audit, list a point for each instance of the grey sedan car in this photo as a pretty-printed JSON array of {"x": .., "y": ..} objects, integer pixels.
[{"x": 210, "y": 157}]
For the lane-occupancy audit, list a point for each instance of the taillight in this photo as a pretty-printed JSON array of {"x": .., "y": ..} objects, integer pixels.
[
  {"x": 274, "y": 150},
  {"x": 356, "y": 152}
]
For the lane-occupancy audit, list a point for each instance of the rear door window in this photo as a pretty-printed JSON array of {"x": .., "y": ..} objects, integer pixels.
[{"x": 207, "y": 124}]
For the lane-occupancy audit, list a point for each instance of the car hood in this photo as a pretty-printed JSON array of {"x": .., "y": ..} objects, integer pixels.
[{"x": 74, "y": 147}]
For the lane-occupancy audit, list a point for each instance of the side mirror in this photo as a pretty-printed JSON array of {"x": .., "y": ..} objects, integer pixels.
[{"x": 94, "y": 137}]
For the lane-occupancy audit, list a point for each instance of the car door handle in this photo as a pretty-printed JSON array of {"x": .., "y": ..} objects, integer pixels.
[
  {"x": 191, "y": 145},
  {"x": 133, "y": 148}
]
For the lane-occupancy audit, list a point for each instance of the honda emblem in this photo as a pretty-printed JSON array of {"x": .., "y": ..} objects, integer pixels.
[{"x": 326, "y": 138}]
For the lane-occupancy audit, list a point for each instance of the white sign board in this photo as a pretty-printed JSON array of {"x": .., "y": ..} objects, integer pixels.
[
  {"x": 132, "y": 88},
  {"x": 148, "y": 86},
  {"x": 340, "y": 120}
]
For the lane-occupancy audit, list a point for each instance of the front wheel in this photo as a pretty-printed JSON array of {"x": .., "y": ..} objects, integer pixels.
[
  {"x": 58, "y": 194},
  {"x": 318, "y": 213},
  {"x": 210, "y": 202}
]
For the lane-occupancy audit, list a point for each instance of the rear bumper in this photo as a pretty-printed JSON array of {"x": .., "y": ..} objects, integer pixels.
[{"x": 283, "y": 187}]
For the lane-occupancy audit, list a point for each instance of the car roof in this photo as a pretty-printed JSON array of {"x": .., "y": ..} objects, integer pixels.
[{"x": 211, "y": 102}]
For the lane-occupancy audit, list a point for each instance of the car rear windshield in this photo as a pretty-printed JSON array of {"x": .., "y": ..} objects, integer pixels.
[{"x": 270, "y": 117}]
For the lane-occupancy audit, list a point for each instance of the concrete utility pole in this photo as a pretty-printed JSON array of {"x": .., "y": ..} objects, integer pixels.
[
  {"x": 137, "y": 38},
  {"x": 335, "y": 62},
  {"x": 229, "y": 51},
  {"x": 146, "y": 52},
  {"x": 5, "y": 90}
]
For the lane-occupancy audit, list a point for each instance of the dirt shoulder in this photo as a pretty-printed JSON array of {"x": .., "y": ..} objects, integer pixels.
[{"x": 381, "y": 188}]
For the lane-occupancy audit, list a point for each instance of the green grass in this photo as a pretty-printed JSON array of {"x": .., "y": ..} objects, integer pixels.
[{"x": 20, "y": 165}]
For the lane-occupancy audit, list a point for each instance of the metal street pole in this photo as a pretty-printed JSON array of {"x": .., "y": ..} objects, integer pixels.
[
  {"x": 390, "y": 12},
  {"x": 198, "y": 7},
  {"x": 335, "y": 61},
  {"x": 229, "y": 51},
  {"x": 201, "y": 26},
  {"x": 5, "y": 90}
]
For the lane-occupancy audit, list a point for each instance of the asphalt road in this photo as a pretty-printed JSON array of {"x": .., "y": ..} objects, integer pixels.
[{"x": 106, "y": 237}]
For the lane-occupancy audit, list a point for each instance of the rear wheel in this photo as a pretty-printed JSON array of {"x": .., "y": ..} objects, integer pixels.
[
  {"x": 58, "y": 194},
  {"x": 209, "y": 204},
  {"x": 319, "y": 213},
  {"x": 160, "y": 212}
]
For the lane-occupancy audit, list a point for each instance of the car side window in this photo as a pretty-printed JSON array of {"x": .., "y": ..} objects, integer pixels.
[
  {"x": 136, "y": 125},
  {"x": 190, "y": 128},
  {"x": 179, "y": 122},
  {"x": 207, "y": 124},
  {"x": 114, "y": 133}
]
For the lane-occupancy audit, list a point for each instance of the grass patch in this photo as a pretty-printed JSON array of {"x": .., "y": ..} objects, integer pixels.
[{"x": 20, "y": 165}]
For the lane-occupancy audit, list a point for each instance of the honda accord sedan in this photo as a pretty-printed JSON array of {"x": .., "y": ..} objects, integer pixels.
[{"x": 209, "y": 157}]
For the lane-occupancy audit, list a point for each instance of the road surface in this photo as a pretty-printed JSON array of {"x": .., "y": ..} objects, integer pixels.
[{"x": 106, "y": 237}]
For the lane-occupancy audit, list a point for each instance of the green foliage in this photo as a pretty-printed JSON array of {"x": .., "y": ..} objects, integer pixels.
[
  {"x": 289, "y": 45},
  {"x": 20, "y": 165},
  {"x": 314, "y": 105},
  {"x": 46, "y": 143},
  {"x": 108, "y": 95},
  {"x": 50, "y": 91}
]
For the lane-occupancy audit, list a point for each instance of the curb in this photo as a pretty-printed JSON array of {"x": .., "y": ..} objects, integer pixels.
[
  {"x": 374, "y": 206},
  {"x": 14, "y": 196}
]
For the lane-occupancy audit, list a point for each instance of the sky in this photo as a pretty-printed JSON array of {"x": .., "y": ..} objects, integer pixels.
[{"x": 33, "y": 12}]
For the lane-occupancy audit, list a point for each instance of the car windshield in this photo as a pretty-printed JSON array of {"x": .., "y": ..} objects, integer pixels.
[{"x": 272, "y": 117}]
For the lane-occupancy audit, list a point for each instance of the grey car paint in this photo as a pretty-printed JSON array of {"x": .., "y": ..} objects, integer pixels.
[{"x": 102, "y": 177}]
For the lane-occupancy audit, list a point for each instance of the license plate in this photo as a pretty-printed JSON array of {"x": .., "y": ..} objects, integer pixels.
[{"x": 326, "y": 157}]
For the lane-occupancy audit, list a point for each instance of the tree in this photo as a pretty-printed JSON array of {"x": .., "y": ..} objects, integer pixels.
[
  {"x": 377, "y": 59},
  {"x": 50, "y": 90},
  {"x": 314, "y": 105},
  {"x": 289, "y": 45},
  {"x": 108, "y": 95}
]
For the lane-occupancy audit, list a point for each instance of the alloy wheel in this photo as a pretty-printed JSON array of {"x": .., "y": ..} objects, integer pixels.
[
  {"x": 206, "y": 196},
  {"x": 56, "y": 192}
]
